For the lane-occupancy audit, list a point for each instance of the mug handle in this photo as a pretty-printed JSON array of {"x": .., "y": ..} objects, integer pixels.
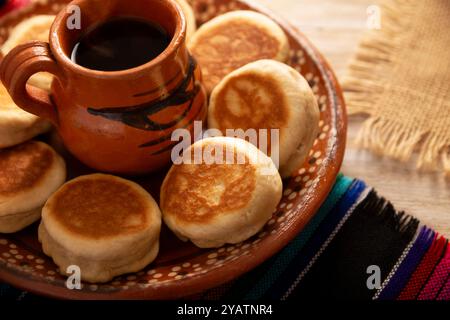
[{"x": 18, "y": 66}]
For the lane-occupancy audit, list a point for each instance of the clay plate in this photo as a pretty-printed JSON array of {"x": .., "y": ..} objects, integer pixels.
[{"x": 182, "y": 269}]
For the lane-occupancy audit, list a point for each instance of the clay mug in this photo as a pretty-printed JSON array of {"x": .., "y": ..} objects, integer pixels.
[{"x": 113, "y": 121}]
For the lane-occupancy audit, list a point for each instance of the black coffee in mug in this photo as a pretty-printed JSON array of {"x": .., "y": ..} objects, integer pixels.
[{"x": 119, "y": 44}]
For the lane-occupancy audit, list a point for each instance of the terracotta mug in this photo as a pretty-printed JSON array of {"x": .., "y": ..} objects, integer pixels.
[{"x": 118, "y": 121}]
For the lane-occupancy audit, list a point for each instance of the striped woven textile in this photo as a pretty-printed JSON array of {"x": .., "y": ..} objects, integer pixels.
[
  {"x": 355, "y": 237},
  {"x": 357, "y": 247}
]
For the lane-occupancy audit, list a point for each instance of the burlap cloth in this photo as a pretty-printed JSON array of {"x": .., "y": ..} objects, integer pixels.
[{"x": 400, "y": 77}]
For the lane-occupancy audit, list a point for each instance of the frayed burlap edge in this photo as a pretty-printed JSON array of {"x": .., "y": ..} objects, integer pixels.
[{"x": 363, "y": 85}]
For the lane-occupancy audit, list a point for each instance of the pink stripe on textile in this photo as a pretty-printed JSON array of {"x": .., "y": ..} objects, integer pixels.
[
  {"x": 424, "y": 270},
  {"x": 438, "y": 279},
  {"x": 445, "y": 292}
]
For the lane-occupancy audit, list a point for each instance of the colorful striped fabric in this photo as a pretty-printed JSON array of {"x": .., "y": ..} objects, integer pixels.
[
  {"x": 354, "y": 233},
  {"x": 424, "y": 270},
  {"x": 357, "y": 247},
  {"x": 278, "y": 267},
  {"x": 402, "y": 275}
]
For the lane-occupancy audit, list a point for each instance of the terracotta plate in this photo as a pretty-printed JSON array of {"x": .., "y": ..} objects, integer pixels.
[{"x": 182, "y": 269}]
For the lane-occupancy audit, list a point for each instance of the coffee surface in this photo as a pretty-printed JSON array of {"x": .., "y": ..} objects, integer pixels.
[{"x": 119, "y": 44}]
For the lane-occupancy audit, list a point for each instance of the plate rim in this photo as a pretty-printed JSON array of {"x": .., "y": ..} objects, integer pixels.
[{"x": 246, "y": 263}]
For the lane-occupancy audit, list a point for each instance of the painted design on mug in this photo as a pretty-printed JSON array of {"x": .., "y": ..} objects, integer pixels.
[{"x": 138, "y": 116}]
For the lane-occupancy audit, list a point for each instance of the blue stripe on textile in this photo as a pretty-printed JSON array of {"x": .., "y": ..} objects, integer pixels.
[
  {"x": 284, "y": 258},
  {"x": 303, "y": 257},
  {"x": 408, "y": 265}
]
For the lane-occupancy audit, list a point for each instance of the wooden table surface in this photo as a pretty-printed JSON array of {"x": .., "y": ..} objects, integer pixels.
[{"x": 335, "y": 27}]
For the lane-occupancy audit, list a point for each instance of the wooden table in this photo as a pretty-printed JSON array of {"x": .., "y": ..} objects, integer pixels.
[{"x": 335, "y": 27}]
